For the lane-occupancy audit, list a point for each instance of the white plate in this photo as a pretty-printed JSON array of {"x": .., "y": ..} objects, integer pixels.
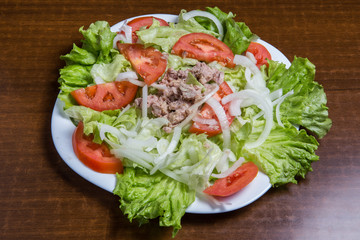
[{"x": 62, "y": 129}]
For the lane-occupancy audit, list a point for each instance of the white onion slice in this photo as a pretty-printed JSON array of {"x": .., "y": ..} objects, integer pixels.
[
  {"x": 224, "y": 123},
  {"x": 251, "y": 57},
  {"x": 158, "y": 86},
  {"x": 276, "y": 94},
  {"x": 223, "y": 164},
  {"x": 128, "y": 33},
  {"x": 234, "y": 108},
  {"x": 133, "y": 155},
  {"x": 141, "y": 144},
  {"x": 277, "y": 110},
  {"x": 128, "y": 133},
  {"x": 173, "y": 175},
  {"x": 117, "y": 38},
  {"x": 230, "y": 170},
  {"x": 144, "y": 101},
  {"x": 126, "y": 75},
  {"x": 104, "y": 128},
  {"x": 124, "y": 110},
  {"x": 124, "y": 34},
  {"x": 198, "y": 13},
  {"x": 137, "y": 82}
]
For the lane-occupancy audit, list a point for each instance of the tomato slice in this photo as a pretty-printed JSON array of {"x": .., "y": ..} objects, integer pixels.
[
  {"x": 95, "y": 156},
  {"x": 237, "y": 180},
  {"x": 206, "y": 112},
  {"x": 203, "y": 47},
  {"x": 137, "y": 23},
  {"x": 260, "y": 53},
  {"x": 149, "y": 63},
  {"x": 106, "y": 96}
]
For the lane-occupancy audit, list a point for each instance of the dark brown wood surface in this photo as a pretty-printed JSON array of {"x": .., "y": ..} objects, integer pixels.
[{"x": 42, "y": 198}]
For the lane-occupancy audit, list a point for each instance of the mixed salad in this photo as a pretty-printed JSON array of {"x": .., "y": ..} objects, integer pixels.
[{"x": 189, "y": 108}]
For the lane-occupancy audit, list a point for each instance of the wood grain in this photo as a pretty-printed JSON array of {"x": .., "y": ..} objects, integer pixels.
[{"x": 42, "y": 198}]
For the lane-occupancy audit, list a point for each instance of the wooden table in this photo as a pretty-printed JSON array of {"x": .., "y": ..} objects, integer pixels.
[{"x": 42, "y": 198}]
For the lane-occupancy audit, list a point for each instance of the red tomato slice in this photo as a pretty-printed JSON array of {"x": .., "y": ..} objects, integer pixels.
[
  {"x": 237, "y": 180},
  {"x": 204, "y": 47},
  {"x": 137, "y": 23},
  {"x": 260, "y": 53},
  {"x": 95, "y": 156},
  {"x": 106, "y": 96},
  {"x": 149, "y": 63},
  {"x": 207, "y": 113}
]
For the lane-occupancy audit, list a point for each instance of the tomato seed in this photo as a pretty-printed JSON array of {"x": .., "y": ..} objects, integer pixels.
[{"x": 108, "y": 97}]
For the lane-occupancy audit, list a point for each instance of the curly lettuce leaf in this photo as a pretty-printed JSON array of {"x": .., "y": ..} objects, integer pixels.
[
  {"x": 144, "y": 197},
  {"x": 307, "y": 106},
  {"x": 237, "y": 35},
  {"x": 98, "y": 39},
  {"x": 79, "y": 56},
  {"x": 92, "y": 119},
  {"x": 194, "y": 161},
  {"x": 109, "y": 71},
  {"x": 97, "y": 47},
  {"x": 286, "y": 154}
]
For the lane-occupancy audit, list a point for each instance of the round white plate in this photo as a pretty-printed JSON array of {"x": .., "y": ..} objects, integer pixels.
[{"x": 62, "y": 129}]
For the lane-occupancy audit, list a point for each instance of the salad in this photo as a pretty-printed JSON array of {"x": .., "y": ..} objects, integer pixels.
[{"x": 185, "y": 109}]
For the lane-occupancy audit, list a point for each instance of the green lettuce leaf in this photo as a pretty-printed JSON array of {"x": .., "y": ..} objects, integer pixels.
[
  {"x": 98, "y": 39},
  {"x": 194, "y": 161},
  {"x": 285, "y": 155},
  {"x": 73, "y": 77},
  {"x": 307, "y": 106},
  {"x": 97, "y": 47},
  {"x": 109, "y": 71},
  {"x": 178, "y": 63},
  {"x": 79, "y": 56},
  {"x": 92, "y": 119},
  {"x": 144, "y": 197},
  {"x": 236, "y": 77},
  {"x": 237, "y": 35}
]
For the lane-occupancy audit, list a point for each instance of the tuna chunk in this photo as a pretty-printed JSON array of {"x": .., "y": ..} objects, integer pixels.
[
  {"x": 178, "y": 96},
  {"x": 206, "y": 74}
]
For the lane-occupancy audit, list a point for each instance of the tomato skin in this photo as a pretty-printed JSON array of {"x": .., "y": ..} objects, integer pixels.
[
  {"x": 95, "y": 156},
  {"x": 207, "y": 113},
  {"x": 106, "y": 96},
  {"x": 148, "y": 62},
  {"x": 260, "y": 53},
  {"x": 233, "y": 183},
  {"x": 203, "y": 47},
  {"x": 137, "y": 23}
]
